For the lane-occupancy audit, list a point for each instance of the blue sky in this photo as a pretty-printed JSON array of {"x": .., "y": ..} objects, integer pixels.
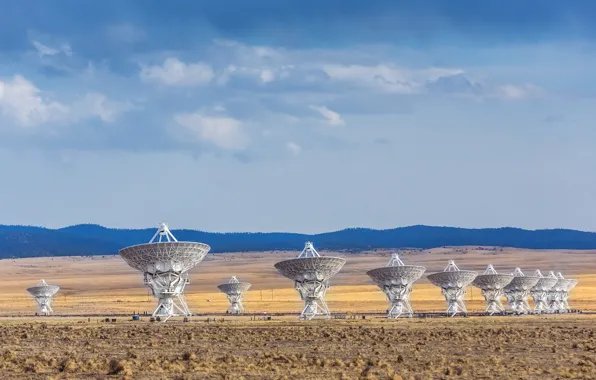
[{"x": 298, "y": 116}]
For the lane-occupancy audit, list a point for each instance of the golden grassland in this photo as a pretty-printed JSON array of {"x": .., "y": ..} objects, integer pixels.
[
  {"x": 525, "y": 347},
  {"x": 95, "y": 285}
]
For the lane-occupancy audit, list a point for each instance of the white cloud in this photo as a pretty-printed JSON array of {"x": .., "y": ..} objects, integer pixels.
[
  {"x": 250, "y": 53},
  {"x": 44, "y": 50},
  {"x": 293, "y": 148},
  {"x": 95, "y": 104},
  {"x": 333, "y": 118},
  {"x": 174, "y": 72},
  {"x": 267, "y": 75},
  {"x": 448, "y": 81},
  {"x": 223, "y": 132},
  {"x": 513, "y": 92},
  {"x": 261, "y": 63},
  {"x": 386, "y": 77},
  {"x": 23, "y": 102}
]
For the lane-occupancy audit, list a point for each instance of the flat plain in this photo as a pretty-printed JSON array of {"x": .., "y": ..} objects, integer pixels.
[
  {"x": 107, "y": 285},
  {"x": 77, "y": 343},
  {"x": 525, "y": 347}
]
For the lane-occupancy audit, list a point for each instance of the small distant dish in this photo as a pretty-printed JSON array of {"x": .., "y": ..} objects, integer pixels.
[
  {"x": 43, "y": 294},
  {"x": 234, "y": 289}
]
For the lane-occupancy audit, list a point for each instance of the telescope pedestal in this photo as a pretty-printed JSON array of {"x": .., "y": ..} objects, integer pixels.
[
  {"x": 399, "y": 295},
  {"x": 312, "y": 293}
]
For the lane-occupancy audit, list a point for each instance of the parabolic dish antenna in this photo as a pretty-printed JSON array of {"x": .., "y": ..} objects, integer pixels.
[
  {"x": 555, "y": 294},
  {"x": 234, "y": 289},
  {"x": 165, "y": 262},
  {"x": 562, "y": 288},
  {"x": 492, "y": 283},
  {"x": 396, "y": 280},
  {"x": 453, "y": 283},
  {"x": 541, "y": 291},
  {"x": 518, "y": 291},
  {"x": 311, "y": 273},
  {"x": 43, "y": 294},
  {"x": 565, "y": 299}
]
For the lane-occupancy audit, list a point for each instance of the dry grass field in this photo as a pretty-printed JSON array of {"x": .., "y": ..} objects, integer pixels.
[
  {"x": 523, "y": 347},
  {"x": 95, "y": 285},
  {"x": 528, "y": 347}
]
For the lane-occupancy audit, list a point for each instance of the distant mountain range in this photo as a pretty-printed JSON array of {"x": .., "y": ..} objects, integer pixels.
[{"x": 90, "y": 239}]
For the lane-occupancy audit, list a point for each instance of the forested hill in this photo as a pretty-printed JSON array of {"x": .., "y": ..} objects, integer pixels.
[{"x": 89, "y": 239}]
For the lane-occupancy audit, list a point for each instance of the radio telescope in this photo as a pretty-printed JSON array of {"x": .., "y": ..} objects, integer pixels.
[
  {"x": 43, "y": 294},
  {"x": 396, "y": 280},
  {"x": 565, "y": 296},
  {"x": 165, "y": 266},
  {"x": 311, "y": 273},
  {"x": 556, "y": 292},
  {"x": 453, "y": 283},
  {"x": 518, "y": 291},
  {"x": 541, "y": 290},
  {"x": 234, "y": 289},
  {"x": 492, "y": 283},
  {"x": 559, "y": 294}
]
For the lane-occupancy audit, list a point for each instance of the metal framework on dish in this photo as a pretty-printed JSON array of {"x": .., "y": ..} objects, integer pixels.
[
  {"x": 311, "y": 273},
  {"x": 234, "y": 290},
  {"x": 453, "y": 283},
  {"x": 492, "y": 284},
  {"x": 396, "y": 280},
  {"x": 518, "y": 291},
  {"x": 165, "y": 263},
  {"x": 540, "y": 292},
  {"x": 43, "y": 294}
]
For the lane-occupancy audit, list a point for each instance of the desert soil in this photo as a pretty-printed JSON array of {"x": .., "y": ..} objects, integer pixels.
[{"x": 525, "y": 347}]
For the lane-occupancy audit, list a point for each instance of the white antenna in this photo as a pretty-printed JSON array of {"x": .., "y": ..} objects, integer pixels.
[
  {"x": 492, "y": 283},
  {"x": 395, "y": 261},
  {"x": 518, "y": 291},
  {"x": 396, "y": 281},
  {"x": 453, "y": 283},
  {"x": 552, "y": 274},
  {"x": 234, "y": 290},
  {"x": 559, "y": 294},
  {"x": 541, "y": 291},
  {"x": 163, "y": 232},
  {"x": 451, "y": 267},
  {"x": 165, "y": 263},
  {"x": 311, "y": 273},
  {"x": 308, "y": 251},
  {"x": 43, "y": 294}
]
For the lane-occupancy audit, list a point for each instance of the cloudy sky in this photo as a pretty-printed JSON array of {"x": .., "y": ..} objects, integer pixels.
[{"x": 304, "y": 116}]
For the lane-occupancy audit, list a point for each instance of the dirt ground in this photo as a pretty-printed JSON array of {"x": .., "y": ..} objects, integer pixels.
[
  {"x": 525, "y": 347},
  {"x": 96, "y": 285}
]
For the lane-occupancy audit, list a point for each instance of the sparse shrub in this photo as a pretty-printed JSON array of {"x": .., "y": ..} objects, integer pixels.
[
  {"x": 119, "y": 367},
  {"x": 67, "y": 365}
]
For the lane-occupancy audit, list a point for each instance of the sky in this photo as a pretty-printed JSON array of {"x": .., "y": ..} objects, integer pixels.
[{"x": 298, "y": 116}]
